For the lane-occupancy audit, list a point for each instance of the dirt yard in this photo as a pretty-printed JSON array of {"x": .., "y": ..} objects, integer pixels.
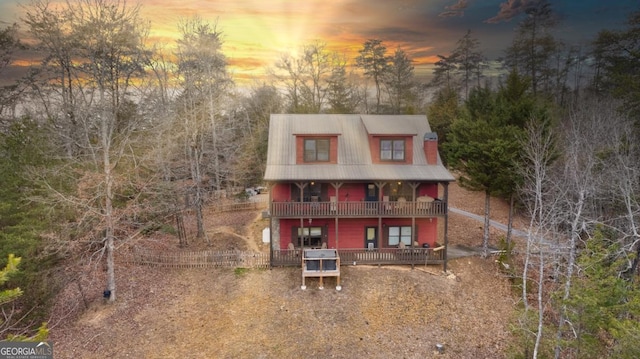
[{"x": 381, "y": 312}]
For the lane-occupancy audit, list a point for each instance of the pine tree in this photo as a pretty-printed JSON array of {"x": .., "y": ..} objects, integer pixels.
[
  {"x": 483, "y": 149},
  {"x": 603, "y": 304},
  {"x": 9, "y": 295}
]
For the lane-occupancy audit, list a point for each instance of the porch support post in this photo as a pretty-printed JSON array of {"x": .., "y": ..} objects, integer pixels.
[
  {"x": 379, "y": 233},
  {"x": 414, "y": 235},
  {"x": 414, "y": 189},
  {"x": 270, "y": 185},
  {"x": 380, "y": 186},
  {"x": 446, "y": 224},
  {"x": 337, "y": 186},
  {"x": 301, "y": 186}
]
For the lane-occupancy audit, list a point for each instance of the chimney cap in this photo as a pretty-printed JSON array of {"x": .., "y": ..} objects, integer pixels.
[{"x": 430, "y": 136}]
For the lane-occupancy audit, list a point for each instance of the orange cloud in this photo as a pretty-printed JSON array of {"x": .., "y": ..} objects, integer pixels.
[{"x": 257, "y": 32}]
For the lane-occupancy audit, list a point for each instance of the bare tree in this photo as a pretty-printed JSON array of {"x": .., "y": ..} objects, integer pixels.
[
  {"x": 540, "y": 196},
  {"x": 255, "y": 111},
  {"x": 58, "y": 82},
  {"x": 9, "y": 44},
  {"x": 621, "y": 201},
  {"x": 202, "y": 68},
  {"x": 289, "y": 71},
  {"x": 97, "y": 50},
  {"x": 310, "y": 79},
  {"x": 583, "y": 180}
]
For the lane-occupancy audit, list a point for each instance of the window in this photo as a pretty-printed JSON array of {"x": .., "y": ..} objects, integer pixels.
[
  {"x": 396, "y": 190},
  {"x": 316, "y": 150},
  {"x": 310, "y": 237},
  {"x": 392, "y": 150},
  {"x": 400, "y": 234},
  {"x": 313, "y": 189}
]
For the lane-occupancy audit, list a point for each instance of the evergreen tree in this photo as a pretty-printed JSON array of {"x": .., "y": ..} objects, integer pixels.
[
  {"x": 9, "y": 295},
  {"x": 23, "y": 147},
  {"x": 373, "y": 60},
  {"x": 468, "y": 61},
  {"x": 603, "y": 304},
  {"x": 443, "y": 73},
  {"x": 442, "y": 112},
  {"x": 342, "y": 92},
  {"x": 617, "y": 56},
  {"x": 400, "y": 82},
  {"x": 483, "y": 148},
  {"x": 534, "y": 46}
]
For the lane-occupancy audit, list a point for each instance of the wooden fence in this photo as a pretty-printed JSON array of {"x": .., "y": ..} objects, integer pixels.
[
  {"x": 256, "y": 260},
  {"x": 199, "y": 259},
  {"x": 240, "y": 206}
]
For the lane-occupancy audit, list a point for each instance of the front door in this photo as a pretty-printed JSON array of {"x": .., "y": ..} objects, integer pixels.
[
  {"x": 371, "y": 193},
  {"x": 371, "y": 237}
]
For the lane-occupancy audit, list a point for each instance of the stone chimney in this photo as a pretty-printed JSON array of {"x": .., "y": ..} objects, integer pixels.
[{"x": 431, "y": 148}]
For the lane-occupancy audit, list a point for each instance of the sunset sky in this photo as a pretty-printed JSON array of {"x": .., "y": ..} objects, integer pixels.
[{"x": 256, "y": 32}]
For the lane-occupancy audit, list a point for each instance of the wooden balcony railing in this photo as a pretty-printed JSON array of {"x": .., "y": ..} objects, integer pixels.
[
  {"x": 358, "y": 209},
  {"x": 412, "y": 256}
]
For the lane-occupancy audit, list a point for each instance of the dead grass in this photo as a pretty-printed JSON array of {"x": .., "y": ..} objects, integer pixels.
[{"x": 381, "y": 312}]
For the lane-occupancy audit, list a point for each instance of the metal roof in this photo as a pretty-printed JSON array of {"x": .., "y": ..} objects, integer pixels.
[{"x": 354, "y": 159}]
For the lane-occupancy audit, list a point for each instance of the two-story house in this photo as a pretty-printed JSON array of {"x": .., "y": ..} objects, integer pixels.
[{"x": 371, "y": 186}]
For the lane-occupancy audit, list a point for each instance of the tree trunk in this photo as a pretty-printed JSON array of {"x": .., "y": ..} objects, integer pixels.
[
  {"x": 536, "y": 347},
  {"x": 198, "y": 184},
  {"x": 182, "y": 233},
  {"x": 108, "y": 207},
  {"x": 575, "y": 235}
]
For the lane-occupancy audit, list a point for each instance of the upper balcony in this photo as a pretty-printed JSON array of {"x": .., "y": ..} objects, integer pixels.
[{"x": 358, "y": 209}]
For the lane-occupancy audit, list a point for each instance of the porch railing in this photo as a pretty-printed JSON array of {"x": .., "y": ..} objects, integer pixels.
[
  {"x": 357, "y": 209},
  {"x": 413, "y": 256}
]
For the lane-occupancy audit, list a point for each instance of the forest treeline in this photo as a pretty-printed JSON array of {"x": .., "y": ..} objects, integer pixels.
[{"x": 111, "y": 137}]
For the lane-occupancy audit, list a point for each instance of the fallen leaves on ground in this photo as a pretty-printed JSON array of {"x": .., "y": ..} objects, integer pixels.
[{"x": 381, "y": 312}]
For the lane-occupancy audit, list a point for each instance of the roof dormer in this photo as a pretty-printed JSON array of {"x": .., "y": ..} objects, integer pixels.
[{"x": 316, "y": 149}]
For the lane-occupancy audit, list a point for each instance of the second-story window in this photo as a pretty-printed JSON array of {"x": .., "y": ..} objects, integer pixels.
[
  {"x": 316, "y": 150},
  {"x": 392, "y": 150}
]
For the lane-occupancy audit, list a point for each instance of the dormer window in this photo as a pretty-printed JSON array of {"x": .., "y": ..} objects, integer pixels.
[
  {"x": 316, "y": 150},
  {"x": 392, "y": 149}
]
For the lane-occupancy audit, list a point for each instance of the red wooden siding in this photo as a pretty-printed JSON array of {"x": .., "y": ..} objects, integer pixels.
[{"x": 352, "y": 231}]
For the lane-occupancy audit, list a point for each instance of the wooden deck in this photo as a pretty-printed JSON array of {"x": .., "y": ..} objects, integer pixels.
[
  {"x": 357, "y": 209},
  {"x": 320, "y": 263},
  {"x": 386, "y": 256}
]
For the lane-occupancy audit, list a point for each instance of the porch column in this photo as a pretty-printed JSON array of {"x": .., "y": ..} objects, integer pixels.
[
  {"x": 336, "y": 186},
  {"x": 414, "y": 235},
  {"x": 380, "y": 186},
  {"x": 446, "y": 224},
  {"x": 270, "y": 185},
  {"x": 301, "y": 186}
]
